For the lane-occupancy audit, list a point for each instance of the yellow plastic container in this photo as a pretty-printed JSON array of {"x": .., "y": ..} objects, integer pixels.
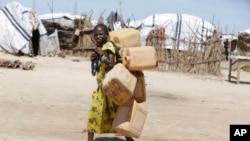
[
  {"x": 125, "y": 37},
  {"x": 140, "y": 88},
  {"x": 139, "y": 58},
  {"x": 129, "y": 119},
  {"x": 119, "y": 84}
]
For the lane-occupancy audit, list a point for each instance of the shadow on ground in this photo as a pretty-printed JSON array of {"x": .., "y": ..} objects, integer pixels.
[
  {"x": 240, "y": 82},
  {"x": 109, "y": 139}
]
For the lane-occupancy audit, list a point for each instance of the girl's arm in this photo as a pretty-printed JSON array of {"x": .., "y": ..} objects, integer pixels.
[{"x": 109, "y": 60}]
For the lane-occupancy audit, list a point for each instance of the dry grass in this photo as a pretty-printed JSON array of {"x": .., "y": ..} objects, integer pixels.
[
  {"x": 243, "y": 47},
  {"x": 243, "y": 44}
]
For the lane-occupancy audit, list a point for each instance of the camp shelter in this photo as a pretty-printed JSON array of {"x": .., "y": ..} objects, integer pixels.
[
  {"x": 247, "y": 31},
  {"x": 180, "y": 29},
  {"x": 63, "y": 24},
  {"x": 16, "y": 28},
  {"x": 22, "y": 32}
]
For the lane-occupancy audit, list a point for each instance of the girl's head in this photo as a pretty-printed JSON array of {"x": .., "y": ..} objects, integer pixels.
[{"x": 101, "y": 34}]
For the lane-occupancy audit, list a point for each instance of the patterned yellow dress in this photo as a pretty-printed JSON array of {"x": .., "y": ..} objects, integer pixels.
[{"x": 102, "y": 109}]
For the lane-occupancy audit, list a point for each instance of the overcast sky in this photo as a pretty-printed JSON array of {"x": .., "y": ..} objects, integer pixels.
[{"x": 231, "y": 16}]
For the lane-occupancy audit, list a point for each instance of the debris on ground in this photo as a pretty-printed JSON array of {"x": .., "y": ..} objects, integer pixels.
[{"x": 29, "y": 65}]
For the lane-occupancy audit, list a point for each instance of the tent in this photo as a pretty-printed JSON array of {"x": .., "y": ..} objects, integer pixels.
[
  {"x": 179, "y": 28},
  {"x": 247, "y": 31},
  {"x": 22, "y": 32},
  {"x": 63, "y": 24},
  {"x": 16, "y": 28}
]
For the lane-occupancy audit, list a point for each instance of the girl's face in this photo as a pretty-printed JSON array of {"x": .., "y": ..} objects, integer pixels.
[{"x": 100, "y": 36}]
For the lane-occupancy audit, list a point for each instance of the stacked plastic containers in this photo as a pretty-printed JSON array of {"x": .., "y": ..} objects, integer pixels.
[{"x": 125, "y": 83}]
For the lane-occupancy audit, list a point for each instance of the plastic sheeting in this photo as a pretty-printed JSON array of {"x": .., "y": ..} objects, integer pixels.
[
  {"x": 247, "y": 31},
  {"x": 15, "y": 28},
  {"x": 59, "y": 16},
  {"x": 180, "y": 27},
  {"x": 65, "y": 20},
  {"x": 49, "y": 44}
]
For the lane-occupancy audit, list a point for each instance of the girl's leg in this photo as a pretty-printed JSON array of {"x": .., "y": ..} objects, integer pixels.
[
  {"x": 129, "y": 139},
  {"x": 90, "y": 136}
]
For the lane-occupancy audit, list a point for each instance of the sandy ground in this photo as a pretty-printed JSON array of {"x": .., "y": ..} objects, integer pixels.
[{"x": 50, "y": 103}]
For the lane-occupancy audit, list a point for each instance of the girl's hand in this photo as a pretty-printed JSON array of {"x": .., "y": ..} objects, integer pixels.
[
  {"x": 93, "y": 56},
  {"x": 98, "y": 51}
]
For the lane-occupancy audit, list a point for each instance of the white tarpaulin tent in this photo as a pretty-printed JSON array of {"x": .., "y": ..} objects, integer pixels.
[
  {"x": 16, "y": 27},
  {"x": 180, "y": 27},
  {"x": 247, "y": 31}
]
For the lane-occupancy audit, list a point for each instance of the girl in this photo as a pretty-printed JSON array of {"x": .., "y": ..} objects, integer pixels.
[{"x": 102, "y": 109}]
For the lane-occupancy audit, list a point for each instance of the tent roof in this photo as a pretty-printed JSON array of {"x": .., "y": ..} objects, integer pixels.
[
  {"x": 58, "y": 16},
  {"x": 247, "y": 31},
  {"x": 166, "y": 18}
]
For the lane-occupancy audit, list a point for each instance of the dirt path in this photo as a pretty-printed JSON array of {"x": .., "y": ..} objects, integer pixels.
[{"x": 50, "y": 103}]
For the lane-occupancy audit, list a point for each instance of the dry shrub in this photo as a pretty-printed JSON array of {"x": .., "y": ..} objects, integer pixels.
[
  {"x": 243, "y": 44},
  {"x": 154, "y": 40},
  {"x": 243, "y": 47}
]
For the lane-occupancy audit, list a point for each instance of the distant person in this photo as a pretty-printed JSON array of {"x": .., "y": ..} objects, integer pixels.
[
  {"x": 226, "y": 46},
  {"x": 102, "y": 110},
  {"x": 117, "y": 23}
]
